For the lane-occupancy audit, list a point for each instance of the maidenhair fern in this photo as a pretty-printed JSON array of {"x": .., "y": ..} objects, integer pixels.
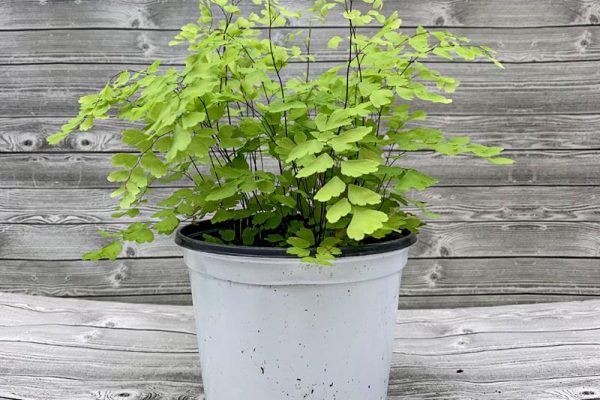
[{"x": 279, "y": 149}]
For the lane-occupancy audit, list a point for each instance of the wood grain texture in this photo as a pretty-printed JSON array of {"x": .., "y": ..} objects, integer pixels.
[
  {"x": 527, "y": 45},
  {"x": 512, "y": 352},
  {"x": 52, "y": 90},
  {"x": 27, "y": 134},
  {"x": 172, "y": 14},
  {"x": 81, "y": 170},
  {"x": 452, "y": 204},
  {"x": 531, "y": 351},
  {"x": 459, "y": 239},
  {"x": 106, "y": 342},
  {"x": 501, "y": 276},
  {"x": 53, "y": 206},
  {"x": 512, "y": 203},
  {"x": 134, "y": 277},
  {"x": 521, "y": 132},
  {"x": 464, "y": 301},
  {"x": 578, "y": 43},
  {"x": 53, "y": 51},
  {"x": 405, "y": 302},
  {"x": 426, "y": 283}
]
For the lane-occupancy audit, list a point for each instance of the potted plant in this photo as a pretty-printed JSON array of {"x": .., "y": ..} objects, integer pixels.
[{"x": 295, "y": 225}]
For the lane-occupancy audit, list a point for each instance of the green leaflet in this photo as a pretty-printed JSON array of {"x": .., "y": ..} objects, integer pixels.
[
  {"x": 118, "y": 176},
  {"x": 381, "y": 97},
  {"x": 337, "y": 119},
  {"x": 364, "y": 222},
  {"x": 345, "y": 140},
  {"x": 338, "y": 210},
  {"x": 320, "y": 164},
  {"x": 413, "y": 179},
  {"x": 192, "y": 119},
  {"x": 298, "y": 251},
  {"x": 304, "y": 149},
  {"x": 167, "y": 225},
  {"x": 181, "y": 140},
  {"x": 299, "y": 242},
  {"x": 138, "y": 232},
  {"x": 361, "y": 196},
  {"x": 420, "y": 41},
  {"x": 334, "y": 42},
  {"x": 87, "y": 124},
  {"x": 356, "y": 168},
  {"x": 285, "y": 200},
  {"x": 57, "y": 137},
  {"x": 225, "y": 191},
  {"x": 124, "y": 160},
  {"x": 110, "y": 252},
  {"x": 331, "y": 189},
  {"x": 424, "y": 94},
  {"x": 248, "y": 236},
  {"x": 153, "y": 164}
]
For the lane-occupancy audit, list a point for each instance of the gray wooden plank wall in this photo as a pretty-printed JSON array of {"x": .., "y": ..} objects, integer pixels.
[{"x": 524, "y": 233}]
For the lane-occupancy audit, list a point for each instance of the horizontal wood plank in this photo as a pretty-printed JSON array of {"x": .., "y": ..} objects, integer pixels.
[
  {"x": 405, "y": 302},
  {"x": 171, "y": 299},
  {"x": 460, "y": 239},
  {"x": 532, "y": 132},
  {"x": 512, "y": 352},
  {"x": 554, "y": 44},
  {"x": 501, "y": 276},
  {"x": 26, "y": 134},
  {"x": 578, "y": 43},
  {"x": 74, "y": 206},
  {"x": 529, "y": 350},
  {"x": 81, "y": 170},
  {"x": 171, "y": 14},
  {"x": 135, "y": 277},
  {"x": 452, "y": 204},
  {"x": 513, "y": 203},
  {"x": 426, "y": 283},
  {"x": 52, "y": 90},
  {"x": 456, "y": 301},
  {"x": 58, "y": 388}
]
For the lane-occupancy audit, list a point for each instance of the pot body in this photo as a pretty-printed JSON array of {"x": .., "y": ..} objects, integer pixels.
[{"x": 277, "y": 328}]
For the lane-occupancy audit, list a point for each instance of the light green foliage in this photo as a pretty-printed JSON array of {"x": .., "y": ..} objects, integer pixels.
[
  {"x": 338, "y": 210},
  {"x": 331, "y": 189},
  {"x": 365, "y": 222},
  {"x": 360, "y": 167},
  {"x": 306, "y": 160},
  {"x": 361, "y": 196}
]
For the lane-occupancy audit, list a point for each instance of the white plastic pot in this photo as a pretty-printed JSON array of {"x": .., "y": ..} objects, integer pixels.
[{"x": 271, "y": 327}]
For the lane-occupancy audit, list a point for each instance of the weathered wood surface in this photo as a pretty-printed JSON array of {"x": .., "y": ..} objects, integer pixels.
[
  {"x": 578, "y": 43},
  {"x": 543, "y": 107},
  {"x": 29, "y": 134},
  {"x": 501, "y": 203},
  {"x": 52, "y": 90},
  {"x": 426, "y": 283},
  {"x": 171, "y": 14},
  {"x": 89, "y": 170},
  {"x": 452, "y": 204},
  {"x": 56, "y": 349},
  {"x": 405, "y": 303},
  {"x": 438, "y": 239},
  {"x": 520, "y": 132}
]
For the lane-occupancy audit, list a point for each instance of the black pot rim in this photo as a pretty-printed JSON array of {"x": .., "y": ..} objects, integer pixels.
[{"x": 188, "y": 236}]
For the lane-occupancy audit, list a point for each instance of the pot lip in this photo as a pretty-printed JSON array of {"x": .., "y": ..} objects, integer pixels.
[{"x": 187, "y": 237}]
